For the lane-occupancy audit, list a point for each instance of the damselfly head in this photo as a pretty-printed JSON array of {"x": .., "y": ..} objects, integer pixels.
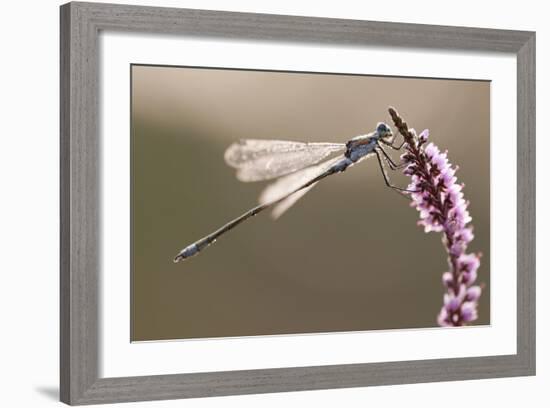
[{"x": 384, "y": 131}]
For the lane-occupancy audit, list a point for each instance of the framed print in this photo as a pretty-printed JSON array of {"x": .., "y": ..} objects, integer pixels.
[{"x": 222, "y": 231}]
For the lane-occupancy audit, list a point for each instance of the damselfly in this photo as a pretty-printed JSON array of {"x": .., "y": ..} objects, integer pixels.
[{"x": 297, "y": 167}]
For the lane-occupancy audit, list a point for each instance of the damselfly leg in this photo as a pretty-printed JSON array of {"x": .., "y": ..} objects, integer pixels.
[
  {"x": 400, "y": 190},
  {"x": 391, "y": 143},
  {"x": 390, "y": 161}
]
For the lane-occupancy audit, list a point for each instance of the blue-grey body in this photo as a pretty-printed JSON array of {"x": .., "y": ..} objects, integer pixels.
[
  {"x": 357, "y": 148},
  {"x": 360, "y": 146},
  {"x": 295, "y": 166}
]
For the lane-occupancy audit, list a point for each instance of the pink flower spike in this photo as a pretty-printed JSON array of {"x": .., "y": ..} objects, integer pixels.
[{"x": 442, "y": 208}]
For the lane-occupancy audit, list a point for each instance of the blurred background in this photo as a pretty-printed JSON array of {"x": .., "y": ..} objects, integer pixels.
[{"x": 347, "y": 257}]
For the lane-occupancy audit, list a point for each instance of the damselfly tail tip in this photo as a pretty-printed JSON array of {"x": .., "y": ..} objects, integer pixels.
[
  {"x": 181, "y": 257},
  {"x": 187, "y": 252}
]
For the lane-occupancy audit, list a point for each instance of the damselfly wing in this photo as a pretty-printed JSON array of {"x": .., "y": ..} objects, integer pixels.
[
  {"x": 257, "y": 160},
  {"x": 285, "y": 186}
]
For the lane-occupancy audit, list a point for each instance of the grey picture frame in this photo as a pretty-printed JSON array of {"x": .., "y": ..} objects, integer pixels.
[{"x": 81, "y": 24}]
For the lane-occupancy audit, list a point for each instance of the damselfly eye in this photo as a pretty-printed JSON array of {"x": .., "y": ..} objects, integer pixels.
[{"x": 383, "y": 130}]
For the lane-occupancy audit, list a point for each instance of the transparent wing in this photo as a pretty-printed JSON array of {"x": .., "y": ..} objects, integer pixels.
[
  {"x": 288, "y": 202},
  {"x": 267, "y": 159},
  {"x": 285, "y": 185}
]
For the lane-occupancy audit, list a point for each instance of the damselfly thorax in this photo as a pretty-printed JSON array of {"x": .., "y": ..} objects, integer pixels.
[
  {"x": 297, "y": 167},
  {"x": 360, "y": 146}
]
